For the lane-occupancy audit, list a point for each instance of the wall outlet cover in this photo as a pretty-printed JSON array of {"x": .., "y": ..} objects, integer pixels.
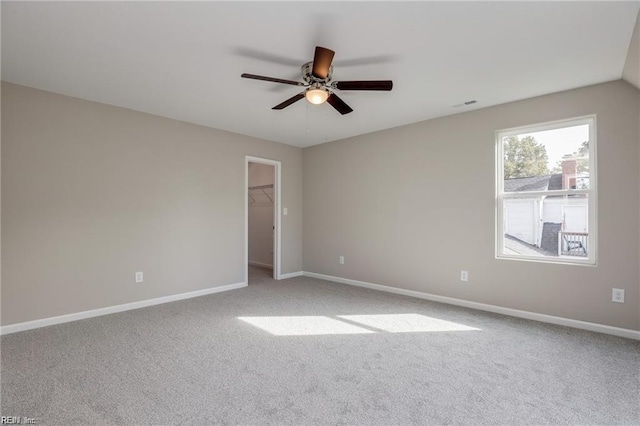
[{"x": 617, "y": 295}]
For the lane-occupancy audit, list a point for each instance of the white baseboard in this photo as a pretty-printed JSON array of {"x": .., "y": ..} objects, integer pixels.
[
  {"x": 600, "y": 328},
  {"x": 262, "y": 265},
  {"x": 291, "y": 275},
  {"x": 29, "y": 325}
]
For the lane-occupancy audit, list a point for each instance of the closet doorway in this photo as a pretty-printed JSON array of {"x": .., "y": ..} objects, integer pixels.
[{"x": 262, "y": 215}]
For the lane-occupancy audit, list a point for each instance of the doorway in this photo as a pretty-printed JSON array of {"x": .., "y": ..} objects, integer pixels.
[{"x": 262, "y": 215}]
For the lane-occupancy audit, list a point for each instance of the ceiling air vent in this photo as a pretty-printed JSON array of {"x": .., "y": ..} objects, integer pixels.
[{"x": 467, "y": 103}]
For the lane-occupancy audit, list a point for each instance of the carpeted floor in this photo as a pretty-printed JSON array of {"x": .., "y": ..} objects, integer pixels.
[{"x": 308, "y": 352}]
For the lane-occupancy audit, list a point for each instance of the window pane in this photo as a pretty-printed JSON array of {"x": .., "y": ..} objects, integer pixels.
[
  {"x": 555, "y": 159},
  {"x": 546, "y": 226}
]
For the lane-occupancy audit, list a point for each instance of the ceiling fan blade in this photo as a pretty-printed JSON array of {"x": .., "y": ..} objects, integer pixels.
[
  {"x": 289, "y": 101},
  {"x": 364, "y": 85},
  {"x": 274, "y": 80},
  {"x": 339, "y": 104},
  {"x": 322, "y": 62}
]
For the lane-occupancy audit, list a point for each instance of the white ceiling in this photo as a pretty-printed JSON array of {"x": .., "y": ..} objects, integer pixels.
[{"x": 184, "y": 60}]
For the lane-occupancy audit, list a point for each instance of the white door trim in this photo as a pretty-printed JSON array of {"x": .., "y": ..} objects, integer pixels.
[{"x": 276, "y": 214}]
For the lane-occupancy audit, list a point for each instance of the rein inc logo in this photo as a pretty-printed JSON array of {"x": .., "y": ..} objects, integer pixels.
[{"x": 17, "y": 420}]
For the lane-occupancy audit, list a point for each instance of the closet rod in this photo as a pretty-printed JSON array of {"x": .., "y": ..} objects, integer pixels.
[{"x": 261, "y": 186}]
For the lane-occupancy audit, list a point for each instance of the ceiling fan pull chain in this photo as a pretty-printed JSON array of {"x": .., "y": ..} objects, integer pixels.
[
  {"x": 326, "y": 117},
  {"x": 307, "y": 116}
]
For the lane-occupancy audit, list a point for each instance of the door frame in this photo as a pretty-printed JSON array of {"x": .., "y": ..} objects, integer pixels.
[{"x": 276, "y": 214}]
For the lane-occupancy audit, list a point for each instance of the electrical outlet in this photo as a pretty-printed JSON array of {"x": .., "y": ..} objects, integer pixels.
[
  {"x": 464, "y": 275},
  {"x": 139, "y": 277},
  {"x": 617, "y": 295},
  {"x": 341, "y": 260}
]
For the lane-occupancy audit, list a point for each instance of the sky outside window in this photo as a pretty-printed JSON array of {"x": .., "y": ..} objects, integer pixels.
[{"x": 559, "y": 142}]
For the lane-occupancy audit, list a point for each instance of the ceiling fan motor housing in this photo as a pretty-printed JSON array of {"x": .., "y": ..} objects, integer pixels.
[{"x": 307, "y": 74}]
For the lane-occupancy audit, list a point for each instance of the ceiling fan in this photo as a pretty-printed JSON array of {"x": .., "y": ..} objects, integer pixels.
[{"x": 318, "y": 84}]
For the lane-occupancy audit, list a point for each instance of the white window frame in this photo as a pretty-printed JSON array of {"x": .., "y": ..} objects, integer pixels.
[{"x": 592, "y": 192}]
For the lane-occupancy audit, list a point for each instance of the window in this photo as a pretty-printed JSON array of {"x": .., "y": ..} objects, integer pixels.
[{"x": 546, "y": 192}]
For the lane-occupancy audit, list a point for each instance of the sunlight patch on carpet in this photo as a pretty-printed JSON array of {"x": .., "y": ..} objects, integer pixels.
[
  {"x": 352, "y": 324},
  {"x": 406, "y": 323},
  {"x": 303, "y": 326}
]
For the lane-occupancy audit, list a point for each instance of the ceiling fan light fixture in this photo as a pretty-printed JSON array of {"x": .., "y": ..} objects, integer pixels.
[{"x": 316, "y": 95}]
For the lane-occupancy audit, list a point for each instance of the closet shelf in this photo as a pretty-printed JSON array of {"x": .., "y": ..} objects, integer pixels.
[{"x": 259, "y": 190}]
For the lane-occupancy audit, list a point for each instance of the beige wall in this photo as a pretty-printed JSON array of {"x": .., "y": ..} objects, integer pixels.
[
  {"x": 412, "y": 206},
  {"x": 261, "y": 174},
  {"x": 92, "y": 193}
]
